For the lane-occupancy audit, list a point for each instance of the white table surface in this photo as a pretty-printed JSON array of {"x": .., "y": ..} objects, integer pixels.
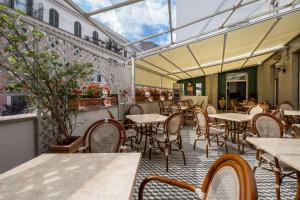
[
  {"x": 285, "y": 149},
  {"x": 235, "y": 117},
  {"x": 292, "y": 112},
  {"x": 147, "y": 118},
  {"x": 72, "y": 177},
  {"x": 181, "y": 107}
]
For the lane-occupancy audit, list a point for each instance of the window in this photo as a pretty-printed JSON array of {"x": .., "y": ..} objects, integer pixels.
[
  {"x": 95, "y": 37},
  {"x": 53, "y": 18},
  {"x": 77, "y": 29},
  {"x": 29, "y": 7},
  {"x": 40, "y": 11}
]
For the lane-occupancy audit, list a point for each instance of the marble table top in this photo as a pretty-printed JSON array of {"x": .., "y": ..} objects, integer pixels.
[
  {"x": 72, "y": 177},
  {"x": 147, "y": 118},
  {"x": 292, "y": 112},
  {"x": 235, "y": 117},
  {"x": 285, "y": 149},
  {"x": 181, "y": 107}
]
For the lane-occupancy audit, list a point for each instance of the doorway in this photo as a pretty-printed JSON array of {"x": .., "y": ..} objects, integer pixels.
[
  {"x": 237, "y": 90},
  {"x": 236, "y": 87}
]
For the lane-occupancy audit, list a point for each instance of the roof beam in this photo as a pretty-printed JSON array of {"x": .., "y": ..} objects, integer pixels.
[
  {"x": 165, "y": 58},
  {"x": 193, "y": 55},
  {"x": 114, "y": 6},
  {"x": 170, "y": 20},
  {"x": 224, "y": 48},
  {"x": 238, "y": 58},
  {"x": 160, "y": 68},
  {"x": 154, "y": 72},
  {"x": 261, "y": 41}
]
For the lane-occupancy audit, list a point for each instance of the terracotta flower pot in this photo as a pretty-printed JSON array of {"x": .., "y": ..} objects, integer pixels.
[
  {"x": 77, "y": 142},
  {"x": 90, "y": 102}
]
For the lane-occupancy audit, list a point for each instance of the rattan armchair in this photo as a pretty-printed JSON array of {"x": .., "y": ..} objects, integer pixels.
[
  {"x": 286, "y": 105},
  {"x": 230, "y": 177},
  {"x": 104, "y": 136},
  {"x": 162, "y": 109},
  {"x": 267, "y": 126},
  {"x": 255, "y": 110},
  {"x": 203, "y": 128},
  {"x": 170, "y": 135},
  {"x": 131, "y": 130},
  {"x": 210, "y": 110},
  {"x": 173, "y": 108}
]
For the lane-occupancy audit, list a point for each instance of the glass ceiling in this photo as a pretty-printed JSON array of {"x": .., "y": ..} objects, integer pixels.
[{"x": 150, "y": 17}]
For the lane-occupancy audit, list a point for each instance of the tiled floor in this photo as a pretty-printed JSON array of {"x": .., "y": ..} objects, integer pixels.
[{"x": 197, "y": 168}]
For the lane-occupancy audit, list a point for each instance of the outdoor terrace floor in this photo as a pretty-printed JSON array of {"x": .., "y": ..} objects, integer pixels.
[{"x": 196, "y": 170}]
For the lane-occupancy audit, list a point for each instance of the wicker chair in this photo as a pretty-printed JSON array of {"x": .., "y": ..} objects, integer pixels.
[
  {"x": 286, "y": 105},
  {"x": 210, "y": 110},
  {"x": 104, "y": 136},
  {"x": 230, "y": 177},
  {"x": 267, "y": 126},
  {"x": 203, "y": 128},
  {"x": 170, "y": 135},
  {"x": 130, "y": 130},
  {"x": 135, "y": 109},
  {"x": 173, "y": 108},
  {"x": 255, "y": 110},
  {"x": 162, "y": 109},
  {"x": 190, "y": 102}
]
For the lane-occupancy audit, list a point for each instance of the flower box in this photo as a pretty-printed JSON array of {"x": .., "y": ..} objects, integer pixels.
[{"x": 72, "y": 147}]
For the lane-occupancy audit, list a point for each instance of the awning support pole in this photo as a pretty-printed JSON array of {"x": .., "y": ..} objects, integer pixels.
[
  {"x": 170, "y": 20},
  {"x": 193, "y": 55},
  {"x": 261, "y": 41}
]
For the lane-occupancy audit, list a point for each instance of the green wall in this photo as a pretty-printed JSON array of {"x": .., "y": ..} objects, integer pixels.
[
  {"x": 200, "y": 79},
  {"x": 252, "y": 82}
]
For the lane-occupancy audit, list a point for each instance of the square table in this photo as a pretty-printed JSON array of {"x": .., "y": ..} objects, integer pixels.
[
  {"x": 153, "y": 118},
  {"x": 238, "y": 120},
  {"x": 78, "y": 176},
  {"x": 291, "y": 112},
  {"x": 286, "y": 150},
  {"x": 147, "y": 120}
]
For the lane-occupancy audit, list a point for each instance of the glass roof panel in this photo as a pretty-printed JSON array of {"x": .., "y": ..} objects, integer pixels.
[{"x": 145, "y": 18}]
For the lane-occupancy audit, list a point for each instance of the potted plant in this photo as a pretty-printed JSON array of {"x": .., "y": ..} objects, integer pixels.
[
  {"x": 50, "y": 81},
  {"x": 139, "y": 94},
  {"x": 91, "y": 95}
]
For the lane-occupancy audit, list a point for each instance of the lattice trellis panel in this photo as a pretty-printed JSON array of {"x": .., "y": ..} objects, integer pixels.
[{"x": 118, "y": 76}]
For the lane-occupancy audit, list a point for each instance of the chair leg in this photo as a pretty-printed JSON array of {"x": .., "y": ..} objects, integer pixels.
[
  {"x": 195, "y": 144},
  {"x": 206, "y": 147},
  {"x": 167, "y": 157},
  {"x": 150, "y": 147},
  {"x": 145, "y": 148},
  {"x": 278, "y": 178},
  {"x": 258, "y": 162},
  {"x": 180, "y": 146}
]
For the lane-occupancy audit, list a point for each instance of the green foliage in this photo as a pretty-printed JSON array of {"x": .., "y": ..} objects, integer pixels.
[{"x": 42, "y": 73}]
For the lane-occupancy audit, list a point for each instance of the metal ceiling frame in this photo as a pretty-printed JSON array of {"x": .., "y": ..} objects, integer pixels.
[
  {"x": 170, "y": 20},
  {"x": 160, "y": 68},
  {"x": 231, "y": 27},
  {"x": 155, "y": 72},
  {"x": 224, "y": 48},
  {"x": 193, "y": 55},
  {"x": 241, "y": 57},
  {"x": 261, "y": 41},
  {"x": 239, "y": 5},
  {"x": 114, "y": 6}
]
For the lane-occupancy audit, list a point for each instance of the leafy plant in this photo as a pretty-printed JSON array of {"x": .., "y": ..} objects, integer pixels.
[{"x": 42, "y": 72}]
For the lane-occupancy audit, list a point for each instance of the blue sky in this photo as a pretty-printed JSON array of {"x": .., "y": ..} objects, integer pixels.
[{"x": 134, "y": 21}]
